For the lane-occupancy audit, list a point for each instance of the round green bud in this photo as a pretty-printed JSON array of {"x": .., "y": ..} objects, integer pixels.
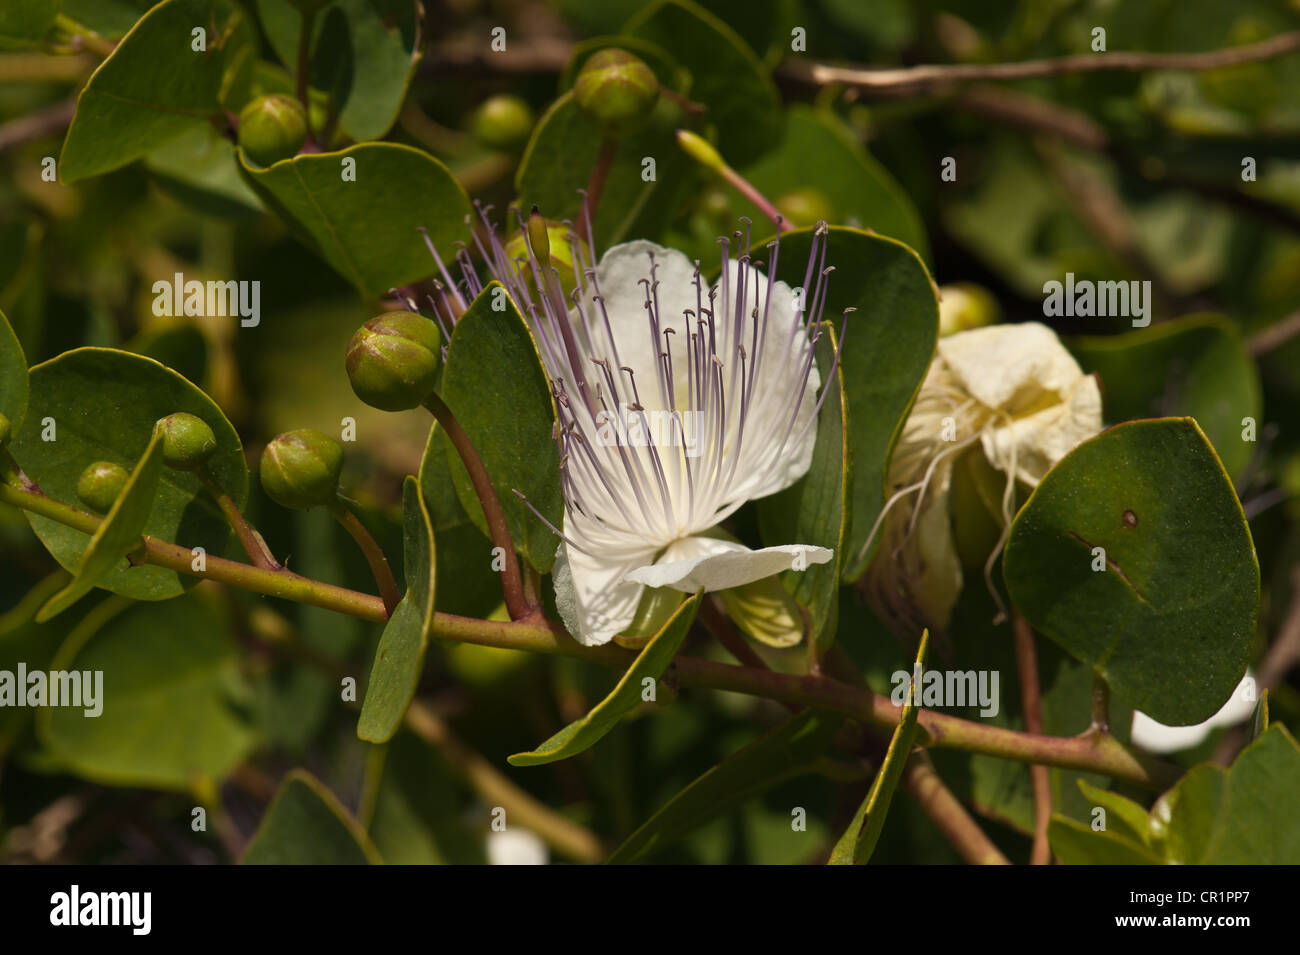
[
  {"x": 272, "y": 128},
  {"x": 393, "y": 360},
  {"x": 553, "y": 240},
  {"x": 503, "y": 122},
  {"x": 6, "y": 431},
  {"x": 188, "y": 442},
  {"x": 963, "y": 306},
  {"x": 101, "y": 484},
  {"x": 616, "y": 91},
  {"x": 300, "y": 469}
]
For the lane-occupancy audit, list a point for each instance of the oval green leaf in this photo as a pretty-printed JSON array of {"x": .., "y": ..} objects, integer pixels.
[
  {"x": 399, "y": 658},
  {"x": 169, "y": 699},
  {"x": 102, "y": 405},
  {"x": 888, "y": 343},
  {"x": 1168, "y": 617},
  {"x": 496, "y": 386},
  {"x": 154, "y": 86},
  {"x": 367, "y": 229},
  {"x": 307, "y": 825},
  {"x": 650, "y": 663}
]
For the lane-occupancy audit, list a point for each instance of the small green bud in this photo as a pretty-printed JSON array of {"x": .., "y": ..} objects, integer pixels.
[
  {"x": 616, "y": 90},
  {"x": 101, "y": 484},
  {"x": 6, "y": 431},
  {"x": 701, "y": 150},
  {"x": 300, "y": 469},
  {"x": 503, "y": 122},
  {"x": 393, "y": 360},
  {"x": 272, "y": 128},
  {"x": 547, "y": 238},
  {"x": 187, "y": 441}
]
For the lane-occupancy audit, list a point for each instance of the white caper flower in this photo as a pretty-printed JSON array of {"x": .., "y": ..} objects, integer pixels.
[
  {"x": 678, "y": 402},
  {"x": 1010, "y": 393}
]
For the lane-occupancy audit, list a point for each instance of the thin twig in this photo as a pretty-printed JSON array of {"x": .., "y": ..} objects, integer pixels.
[
  {"x": 1031, "y": 704},
  {"x": 948, "y": 814},
  {"x": 252, "y": 542},
  {"x": 44, "y": 122},
  {"x": 920, "y": 79},
  {"x": 564, "y": 836},
  {"x": 375, "y": 557},
  {"x": 1276, "y": 335}
]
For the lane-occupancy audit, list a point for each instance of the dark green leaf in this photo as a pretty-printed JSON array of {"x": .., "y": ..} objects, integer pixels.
[
  {"x": 103, "y": 404},
  {"x": 816, "y": 510},
  {"x": 496, "y": 386},
  {"x": 1194, "y": 366},
  {"x": 819, "y": 154},
  {"x": 786, "y": 752},
  {"x": 650, "y": 664},
  {"x": 1169, "y": 619},
  {"x": 307, "y": 825},
  {"x": 399, "y": 659},
  {"x": 367, "y": 230},
  {"x": 888, "y": 344},
  {"x": 727, "y": 76},
  {"x": 154, "y": 86}
]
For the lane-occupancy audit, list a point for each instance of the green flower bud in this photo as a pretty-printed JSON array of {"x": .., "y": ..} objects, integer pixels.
[
  {"x": 187, "y": 441},
  {"x": 101, "y": 484},
  {"x": 6, "y": 431},
  {"x": 549, "y": 239},
  {"x": 393, "y": 360},
  {"x": 503, "y": 122},
  {"x": 300, "y": 469},
  {"x": 616, "y": 90},
  {"x": 272, "y": 128}
]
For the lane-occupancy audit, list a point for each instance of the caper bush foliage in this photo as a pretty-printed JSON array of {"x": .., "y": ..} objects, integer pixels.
[{"x": 563, "y": 430}]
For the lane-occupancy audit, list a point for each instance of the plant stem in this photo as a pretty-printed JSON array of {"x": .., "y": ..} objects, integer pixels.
[
  {"x": 948, "y": 814},
  {"x": 921, "y": 79},
  {"x": 1031, "y": 703},
  {"x": 1100, "y": 704},
  {"x": 511, "y": 581},
  {"x": 564, "y": 836},
  {"x": 375, "y": 557},
  {"x": 252, "y": 542},
  {"x": 88, "y": 38},
  {"x": 599, "y": 173},
  {"x": 1092, "y": 752}
]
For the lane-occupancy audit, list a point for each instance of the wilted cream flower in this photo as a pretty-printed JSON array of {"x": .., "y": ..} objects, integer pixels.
[{"x": 1010, "y": 393}]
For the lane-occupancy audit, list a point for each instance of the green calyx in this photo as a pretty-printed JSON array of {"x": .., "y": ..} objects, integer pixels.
[
  {"x": 393, "y": 360},
  {"x": 300, "y": 469},
  {"x": 101, "y": 484},
  {"x": 616, "y": 91},
  {"x": 188, "y": 442},
  {"x": 272, "y": 128},
  {"x": 503, "y": 122}
]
